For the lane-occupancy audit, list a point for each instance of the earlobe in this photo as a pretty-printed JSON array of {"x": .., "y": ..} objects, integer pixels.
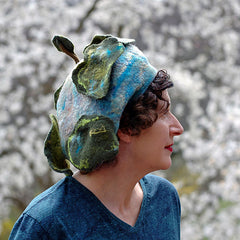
[{"x": 125, "y": 137}]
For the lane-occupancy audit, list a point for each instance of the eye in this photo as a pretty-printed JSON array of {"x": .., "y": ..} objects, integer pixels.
[
  {"x": 163, "y": 113},
  {"x": 167, "y": 111},
  {"x": 163, "y": 109}
]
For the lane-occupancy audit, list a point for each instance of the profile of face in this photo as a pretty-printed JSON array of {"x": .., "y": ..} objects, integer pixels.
[{"x": 153, "y": 147}]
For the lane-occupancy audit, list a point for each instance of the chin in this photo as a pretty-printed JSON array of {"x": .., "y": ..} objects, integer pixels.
[
  {"x": 161, "y": 165},
  {"x": 167, "y": 165}
]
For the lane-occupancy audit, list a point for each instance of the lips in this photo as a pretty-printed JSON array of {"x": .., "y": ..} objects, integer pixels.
[{"x": 169, "y": 147}]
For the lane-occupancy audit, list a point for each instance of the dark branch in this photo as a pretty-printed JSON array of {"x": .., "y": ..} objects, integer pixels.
[{"x": 88, "y": 14}]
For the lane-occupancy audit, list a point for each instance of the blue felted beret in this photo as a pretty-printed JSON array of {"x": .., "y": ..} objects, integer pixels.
[{"x": 90, "y": 102}]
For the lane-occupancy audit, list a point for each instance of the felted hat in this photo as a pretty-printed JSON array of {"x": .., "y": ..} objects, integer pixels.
[{"x": 90, "y": 102}]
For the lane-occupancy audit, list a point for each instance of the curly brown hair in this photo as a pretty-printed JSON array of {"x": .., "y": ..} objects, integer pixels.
[{"x": 141, "y": 114}]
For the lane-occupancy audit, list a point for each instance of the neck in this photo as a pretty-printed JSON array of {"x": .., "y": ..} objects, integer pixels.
[
  {"x": 117, "y": 187},
  {"x": 111, "y": 184}
]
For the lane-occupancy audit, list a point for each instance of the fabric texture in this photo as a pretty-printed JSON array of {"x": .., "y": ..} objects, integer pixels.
[
  {"x": 68, "y": 210},
  {"x": 112, "y": 73}
]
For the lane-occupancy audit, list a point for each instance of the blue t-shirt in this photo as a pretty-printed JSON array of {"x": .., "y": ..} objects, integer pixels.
[{"x": 68, "y": 210}]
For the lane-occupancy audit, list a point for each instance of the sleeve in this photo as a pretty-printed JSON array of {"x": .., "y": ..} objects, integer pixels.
[{"x": 28, "y": 228}]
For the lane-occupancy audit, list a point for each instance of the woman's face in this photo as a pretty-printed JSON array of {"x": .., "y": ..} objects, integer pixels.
[{"x": 153, "y": 147}]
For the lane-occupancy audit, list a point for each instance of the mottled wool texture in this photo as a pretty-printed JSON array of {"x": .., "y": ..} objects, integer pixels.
[
  {"x": 90, "y": 102},
  {"x": 70, "y": 211}
]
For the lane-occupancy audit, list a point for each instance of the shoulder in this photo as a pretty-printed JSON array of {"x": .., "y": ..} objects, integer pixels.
[
  {"x": 158, "y": 182},
  {"x": 47, "y": 200},
  {"x": 163, "y": 206},
  {"x": 158, "y": 190},
  {"x": 158, "y": 186},
  {"x": 59, "y": 212},
  {"x": 28, "y": 228},
  {"x": 47, "y": 212},
  {"x": 44, "y": 210}
]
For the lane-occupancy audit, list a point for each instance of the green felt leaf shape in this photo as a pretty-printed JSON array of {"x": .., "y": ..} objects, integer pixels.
[
  {"x": 53, "y": 150},
  {"x": 56, "y": 96},
  {"x": 99, "y": 38},
  {"x": 65, "y": 45},
  {"x": 92, "y": 75},
  {"x": 92, "y": 140}
]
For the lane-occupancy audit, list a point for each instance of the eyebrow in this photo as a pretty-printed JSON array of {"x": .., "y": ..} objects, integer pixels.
[{"x": 165, "y": 106}]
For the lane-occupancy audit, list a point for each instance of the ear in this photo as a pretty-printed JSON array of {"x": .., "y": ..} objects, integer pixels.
[{"x": 125, "y": 137}]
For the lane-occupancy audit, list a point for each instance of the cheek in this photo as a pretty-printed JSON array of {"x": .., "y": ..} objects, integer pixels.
[{"x": 161, "y": 128}]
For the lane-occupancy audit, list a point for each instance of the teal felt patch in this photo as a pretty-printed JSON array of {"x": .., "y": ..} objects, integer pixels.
[
  {"x": 92, "y": 142},
  {"x": 53, "y": 150},
  {"x": 92, "y": 76}
]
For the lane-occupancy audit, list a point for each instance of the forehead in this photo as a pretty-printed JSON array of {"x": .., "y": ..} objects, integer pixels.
[
  {"x": 163, "y": 104},
  {"x": 166, "y": 96}
]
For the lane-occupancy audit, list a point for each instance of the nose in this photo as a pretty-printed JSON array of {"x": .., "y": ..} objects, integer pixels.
[{"x": 176, "y": 128}]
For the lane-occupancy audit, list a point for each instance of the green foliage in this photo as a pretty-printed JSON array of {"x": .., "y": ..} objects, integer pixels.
[
  {"x": 179, "y": 172},
  {"x": 223, "y": 204},
  {"x": 7, "y": 223}
]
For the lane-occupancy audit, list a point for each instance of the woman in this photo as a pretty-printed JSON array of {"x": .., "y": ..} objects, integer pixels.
[{"x": 115, "y": 125}]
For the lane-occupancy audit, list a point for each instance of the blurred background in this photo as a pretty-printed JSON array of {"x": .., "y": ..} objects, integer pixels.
[{"x": 197, "y": 42}]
